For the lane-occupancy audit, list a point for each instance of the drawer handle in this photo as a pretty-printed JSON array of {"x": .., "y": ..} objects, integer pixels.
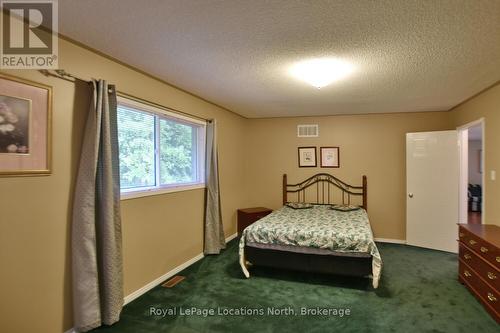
[
  {"x": 491, "y": 297},
  {"x": 467, "y": 274},
  {"x": 472, "y": 242},
  {"x": 461, "y": 235},
  {"x": 467, "y": 256},
  {"x": 491, "y": 276},
  {"x": 483, "y": 249},
  {"x": 498, "y": 259}
]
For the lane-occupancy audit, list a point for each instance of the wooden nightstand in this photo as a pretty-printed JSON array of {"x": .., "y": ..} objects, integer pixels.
[{"x": 247, "y": 216}]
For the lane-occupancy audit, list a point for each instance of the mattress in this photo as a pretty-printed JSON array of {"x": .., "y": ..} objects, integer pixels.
[{"x": 318, "y": 230}]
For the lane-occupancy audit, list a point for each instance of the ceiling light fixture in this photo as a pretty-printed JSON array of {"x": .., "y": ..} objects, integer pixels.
[{"x": 320, "y": 72}]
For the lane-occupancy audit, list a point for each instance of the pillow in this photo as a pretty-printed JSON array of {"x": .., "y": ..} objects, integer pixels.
[
  {"x": 299, "y": 205},
  {"x": 344, "y": 208}
]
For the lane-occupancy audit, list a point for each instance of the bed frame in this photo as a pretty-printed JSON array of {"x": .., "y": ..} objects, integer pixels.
[
  {"x": 325, "y": 185},
  {"x": 344, "y": 264}
]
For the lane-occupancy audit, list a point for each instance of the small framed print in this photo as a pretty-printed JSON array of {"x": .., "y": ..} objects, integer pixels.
[
  {"x": 307, "y": 157},
  {"x": 329, "y": 157},
  {"x": 25, "y": 127}
]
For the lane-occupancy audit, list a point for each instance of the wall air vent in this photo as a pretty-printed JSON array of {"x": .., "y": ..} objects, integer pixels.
[{"x": 307, "y": 131}]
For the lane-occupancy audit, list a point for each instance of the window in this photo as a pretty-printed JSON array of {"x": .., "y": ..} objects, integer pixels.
[{"x": 159, "y": 151}]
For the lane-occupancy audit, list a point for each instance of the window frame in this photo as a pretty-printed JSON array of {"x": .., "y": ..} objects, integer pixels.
[{"x": 164, "y": 113}]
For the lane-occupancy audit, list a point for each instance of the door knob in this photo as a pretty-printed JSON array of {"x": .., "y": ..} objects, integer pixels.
[{"x": 410, "y": 195}]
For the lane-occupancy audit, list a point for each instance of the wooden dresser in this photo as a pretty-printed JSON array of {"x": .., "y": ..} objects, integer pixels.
[
  {"x": 247, "y": 216},
  {"x": 479, "y": 264}
]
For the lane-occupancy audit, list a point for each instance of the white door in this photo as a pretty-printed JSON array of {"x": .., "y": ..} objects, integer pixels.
[{"x": 432, "y": 184}]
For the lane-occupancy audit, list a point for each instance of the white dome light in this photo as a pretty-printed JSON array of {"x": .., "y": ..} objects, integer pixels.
[{"x": 320, "y": 72}]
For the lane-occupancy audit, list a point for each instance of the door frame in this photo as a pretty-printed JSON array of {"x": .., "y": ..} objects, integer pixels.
[{"x": 463, "y": 136}]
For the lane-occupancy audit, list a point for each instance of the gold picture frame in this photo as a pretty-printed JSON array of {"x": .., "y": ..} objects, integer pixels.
[{"x": 25, "y": 127}]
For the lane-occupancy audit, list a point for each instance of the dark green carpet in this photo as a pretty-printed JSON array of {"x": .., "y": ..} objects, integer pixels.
[{"x": 419, "y": 292}]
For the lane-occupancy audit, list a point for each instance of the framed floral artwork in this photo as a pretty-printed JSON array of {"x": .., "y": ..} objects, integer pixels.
[
  {"x": 307, "y": 157},
  {"x": 329, "y": 157},
  {"x": 25, "y": 127}
]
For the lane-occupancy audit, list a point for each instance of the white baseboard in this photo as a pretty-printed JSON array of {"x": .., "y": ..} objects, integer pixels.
[
  {"x": 139, "y": 292},
  {"x": 230, "y": 238},
  {"x": 388, "y": 240}
]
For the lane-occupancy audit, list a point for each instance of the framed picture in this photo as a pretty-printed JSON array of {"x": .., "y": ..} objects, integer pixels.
[
  {"x": 307, "y": 157},
  {"x": 25, "y": 127},
  {"x": 329, "y": 157}
]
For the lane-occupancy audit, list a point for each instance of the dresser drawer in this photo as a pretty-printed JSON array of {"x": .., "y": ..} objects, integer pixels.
[
  {"x": 486, "y": 293},
  {"x": 482, "y": 268},
  {"x": 484, "y": 249}
]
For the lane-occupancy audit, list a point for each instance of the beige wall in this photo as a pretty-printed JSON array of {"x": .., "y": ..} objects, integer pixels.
[
  {"x": 487, "y": 105},
  {"x": 159, "y": 232},
  {"x": 371, "y": 145}
]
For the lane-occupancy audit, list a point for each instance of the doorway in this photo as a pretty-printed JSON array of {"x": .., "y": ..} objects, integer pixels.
[{"x": 472, "y": 183}]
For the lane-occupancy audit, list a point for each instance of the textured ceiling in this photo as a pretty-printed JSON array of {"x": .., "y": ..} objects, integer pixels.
[{"x": 409, "y": 55}]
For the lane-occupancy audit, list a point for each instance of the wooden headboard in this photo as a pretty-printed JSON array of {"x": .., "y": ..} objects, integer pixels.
[{"x": 324, "y": 182}]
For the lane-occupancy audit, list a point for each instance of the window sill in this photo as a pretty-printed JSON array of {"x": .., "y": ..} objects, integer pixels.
[{"x": 156, "y": 191}]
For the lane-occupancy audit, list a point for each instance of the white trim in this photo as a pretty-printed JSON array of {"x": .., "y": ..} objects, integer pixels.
[
  {"x": 481, "y": 121},
  {"x": 199, "y": 132},
  {"x": 389, "y": 240},
  {"x": 146, "y": 107},
  {"x": 472, "y": 124},
  {"x": 230, "y": 238},
  {"x": 157, "y": 191},
  {"x": 463, "y": 138},
  {"x": 141, "y": 291}
]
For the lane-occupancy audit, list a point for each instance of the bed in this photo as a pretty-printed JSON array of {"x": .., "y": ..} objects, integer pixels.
[{"x": 316, "y": 239}]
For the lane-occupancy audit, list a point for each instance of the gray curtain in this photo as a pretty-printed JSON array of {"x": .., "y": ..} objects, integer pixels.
[
  {"x": 96, "y": 228},
  {"x": 214, "y": 232}
]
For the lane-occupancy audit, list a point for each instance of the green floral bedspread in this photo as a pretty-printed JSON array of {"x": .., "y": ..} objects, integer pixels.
[{"x": 318, "y": 227}]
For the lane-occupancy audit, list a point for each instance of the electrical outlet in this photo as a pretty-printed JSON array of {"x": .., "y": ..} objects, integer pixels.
[{"x": 493, "y": 175}]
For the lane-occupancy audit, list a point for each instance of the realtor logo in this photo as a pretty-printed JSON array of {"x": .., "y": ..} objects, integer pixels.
[{"x": 29, "y": 35}]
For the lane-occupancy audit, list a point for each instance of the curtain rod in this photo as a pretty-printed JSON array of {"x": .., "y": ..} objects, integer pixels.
[{"x": 63, "y": 75}]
